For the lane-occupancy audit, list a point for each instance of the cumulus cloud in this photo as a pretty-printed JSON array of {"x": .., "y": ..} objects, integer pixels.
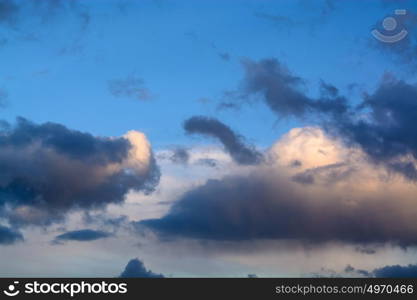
[
  {"x": 386, "y": 134},
  {"x": 267, "y": 204},
  {"x": 129, "y": 87},
  {"x": 83, "y": 235},
  {"x": 136, "y": 269},
  {"x": 9, "y": 236},
  {"x": 232, "y": 142},
  {"x": 382, "y": 124},
  {"x": 48, "y": 170}
]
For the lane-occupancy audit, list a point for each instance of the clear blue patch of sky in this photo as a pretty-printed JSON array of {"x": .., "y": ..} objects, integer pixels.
[{"x": 56, "y": 70}]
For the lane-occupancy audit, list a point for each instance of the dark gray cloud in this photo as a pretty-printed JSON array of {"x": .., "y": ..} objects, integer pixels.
[
  {"x": 180, "y": 155},
  {"x": 232, "y": 142},
  {"x": 48, "y": 170},
  {"x": 129, "y": 87},
  {"x": 396, "y": 271},
  {"x": 9, "y": 236},
  {"x": 265, "y": 206},
  {"x": 283, "y": 92},
  {"x": 83, "y": 235},
  {"x": 136, "y": 269},
  {"x": 387, "y": 133},
  {"x": 304, "y": 178},
  {"x": 74, "y": 144}
]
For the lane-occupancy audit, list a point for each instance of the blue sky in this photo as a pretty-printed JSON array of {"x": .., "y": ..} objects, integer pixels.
[
  {"x": 295, "y": 178},
  {"x": 174, "y": 47}
]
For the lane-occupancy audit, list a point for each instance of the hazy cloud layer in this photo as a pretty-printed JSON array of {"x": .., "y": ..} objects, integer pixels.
[
  {"x": 48, "y": 170},
  {"x": 233, "y": 143}
]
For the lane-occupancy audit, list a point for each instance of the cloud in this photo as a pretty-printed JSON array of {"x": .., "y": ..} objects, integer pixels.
[
  {"x": 396, "y": 271},
  {"x": 180, "y": 156},
  {"x": 267, "y": 204},
  {"x": 233, "y": 143},
  {"x": 207, "y": 162},
  {"x": 330, "y": 173},
  {"x": 136, "y": 269},
  {"x": 106, "y": 222},
  {"x": 83, "y": 235},
  {"x": 283, "y": 92},
  {"x": 48, "y": 170},
  {"x": 386, "y": 133},
  {"x": 382, "y": 124},
  {"x": 9, "y": 236},
  {"x": 129, "y": 87}
]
